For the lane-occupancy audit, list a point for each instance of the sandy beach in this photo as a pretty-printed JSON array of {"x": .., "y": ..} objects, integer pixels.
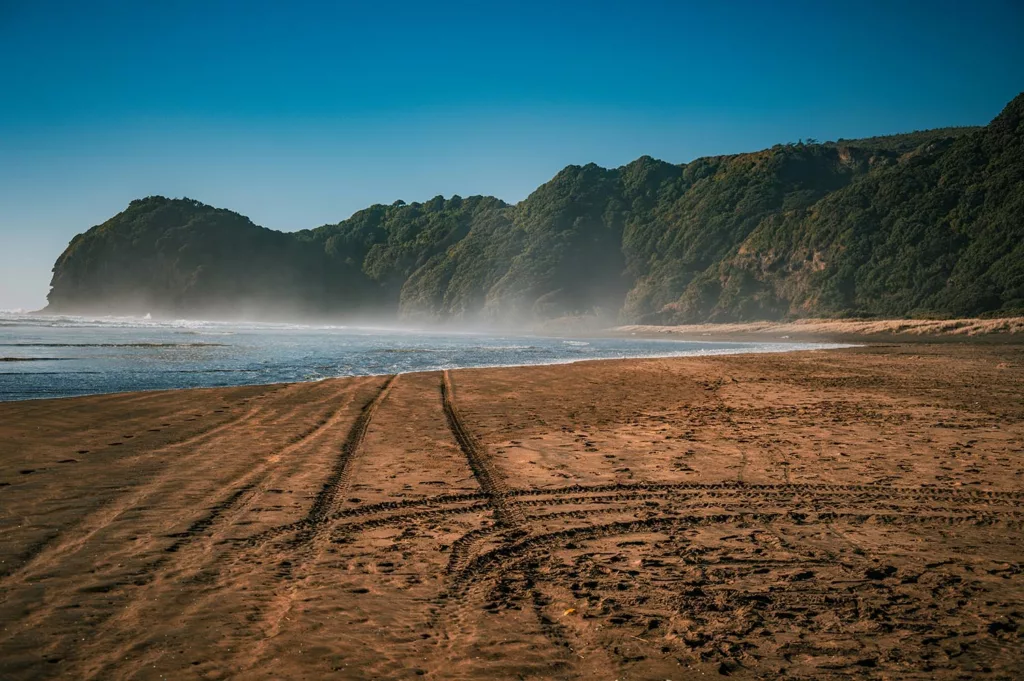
[
  {"x": 823, "y": 514},
  {"x": 996, "y": 329}
]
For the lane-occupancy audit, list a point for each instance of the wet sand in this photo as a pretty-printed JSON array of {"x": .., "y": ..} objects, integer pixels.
[{"x": 822, "y": 514}]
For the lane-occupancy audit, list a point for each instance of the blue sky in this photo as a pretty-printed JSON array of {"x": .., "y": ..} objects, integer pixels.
[{"x": 298, "y": 114}]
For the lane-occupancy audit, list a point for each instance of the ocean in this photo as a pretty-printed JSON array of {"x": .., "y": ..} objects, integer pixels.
[{"x": 62, "y": 356}]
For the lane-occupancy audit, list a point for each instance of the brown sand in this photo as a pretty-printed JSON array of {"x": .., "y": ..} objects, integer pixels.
[
  {"x": 816, "y": 514},
  {"x": 1001, "y": 329}
]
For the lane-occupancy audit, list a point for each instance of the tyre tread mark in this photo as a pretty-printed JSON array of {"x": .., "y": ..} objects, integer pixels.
[{"x": 490, "y": 478}]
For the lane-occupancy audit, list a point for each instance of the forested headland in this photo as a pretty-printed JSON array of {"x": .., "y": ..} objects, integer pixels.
[{"x": 921, "y": 224}]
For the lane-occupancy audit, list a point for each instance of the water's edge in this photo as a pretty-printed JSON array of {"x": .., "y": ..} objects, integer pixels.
[{"x": 57, "y": 357}]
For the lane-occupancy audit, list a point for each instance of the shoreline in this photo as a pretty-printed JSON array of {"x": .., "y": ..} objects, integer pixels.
[
  {"x": 822, "y": 347},
  {"x": 826, "y": 333},
  {"x": 882, "y": 329}
]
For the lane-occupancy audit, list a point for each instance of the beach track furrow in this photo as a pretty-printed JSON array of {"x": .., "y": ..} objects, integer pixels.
[
  {"x": 489, "y": 476},
  {"x": 88, "y": 525},
  {"x": 621, "y": 498},
  {"x": 495, "y": 559},
  {"x": 507, "y": 513},
  {"x": 255, "y": 480},
  {"x": 338, "y": 478}
]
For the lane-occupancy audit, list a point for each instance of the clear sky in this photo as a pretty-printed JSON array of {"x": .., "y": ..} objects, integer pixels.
[{"x": 298, "y": 113}]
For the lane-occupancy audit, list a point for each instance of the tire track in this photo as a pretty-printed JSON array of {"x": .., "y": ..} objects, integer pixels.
[
  {"x": 87, "y": 526},
  {"x": 643, "y": 491},
  {"x": 397, "y": 513},
  {"x": 339, "y": 476},
  {"x": 495, "y": 559},
  {"x": 204, "y": 523},
  {"x": 508, "y": 515},
  {"x": 622, "y": 498},
  {"x": 338, "y": 479},
  {"x": 246, "y": 487},
  {"x": 313, "y": 530},
  {"x": 491, "y": 480},
  {"x": 254, "y": 480},
  {"x": 503, "y": 577},
  {"x": 924, "y": 492},
  {"x": 533, "y": 502},
  {"x": 228, "y": 508},
  {"x": 319, "y": 514},
  {"x": 462, "y": 546}
]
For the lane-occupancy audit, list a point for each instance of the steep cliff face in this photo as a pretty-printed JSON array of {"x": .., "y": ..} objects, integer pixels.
[{"x": 927, "y": 223}]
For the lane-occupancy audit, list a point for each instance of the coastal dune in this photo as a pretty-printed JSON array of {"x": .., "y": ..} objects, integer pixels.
[{"x": 825, "y": 514}]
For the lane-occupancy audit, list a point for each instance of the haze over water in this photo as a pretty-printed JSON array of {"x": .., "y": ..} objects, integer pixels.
[{"x": 62, "y": 356}]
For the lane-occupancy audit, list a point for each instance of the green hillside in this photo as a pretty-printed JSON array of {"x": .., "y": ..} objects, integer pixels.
[{"x": 921, "y": 224}]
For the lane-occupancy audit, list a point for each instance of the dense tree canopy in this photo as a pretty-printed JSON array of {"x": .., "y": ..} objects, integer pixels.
[{"x": 927, "y": 223}]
